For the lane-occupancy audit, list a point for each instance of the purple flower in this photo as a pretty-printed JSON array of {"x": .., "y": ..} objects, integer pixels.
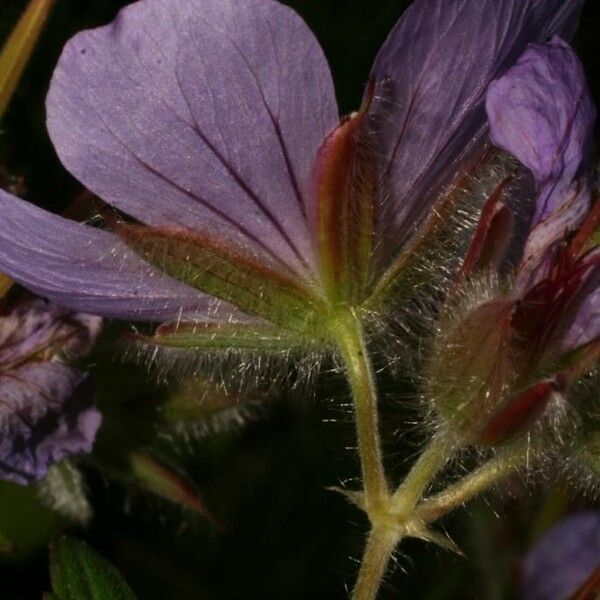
[
  {"x": 542, "y": 112},
  {"x": 213, "y": 125},
  {"x": 536, "y": 335},
  {"x": 46, "y": 408},
  {"x": 563, "y": 559}
]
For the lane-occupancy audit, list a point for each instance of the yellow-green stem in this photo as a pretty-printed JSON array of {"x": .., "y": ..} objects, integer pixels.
[
  {"x": 472, "y": 485},
  {"x": 350, "y": 339},
  {"x": 410, "y": 491},
  {"x": 380, "y": 545}
]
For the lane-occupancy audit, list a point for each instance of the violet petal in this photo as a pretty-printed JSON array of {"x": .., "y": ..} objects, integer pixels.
[
  {"x": 200, "y": 113},
  {"x": 33, "y": 326},
  {"x": 46, "y": 414},
  {"x": 542, "y": 112},
  {"x": 563, "y": 558},
  {"x": 86, "y": 269},
  {"x": 432, "y": 74},
  {"x": 585, "y": 323}
]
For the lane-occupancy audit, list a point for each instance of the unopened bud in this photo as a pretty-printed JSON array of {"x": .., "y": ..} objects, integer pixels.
[
  {"x": 165, "y": 482},
  {"x": 470, "y": 371},
  {"x": 519, "y": 411}
]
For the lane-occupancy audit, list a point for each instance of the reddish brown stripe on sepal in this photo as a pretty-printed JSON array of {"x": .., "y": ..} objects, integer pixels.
[
  {"x": 227, "y": 273},
  {"x": 590, "y": 590},
  {"x": 519, "y": 411},
  {"x": 587, "y": 229},
  {"x": 344, "y": 188},
  {"x": 492, "y": 235}
]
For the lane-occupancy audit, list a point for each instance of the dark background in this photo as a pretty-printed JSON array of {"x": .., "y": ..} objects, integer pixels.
[{"x": 283, "y": 534}]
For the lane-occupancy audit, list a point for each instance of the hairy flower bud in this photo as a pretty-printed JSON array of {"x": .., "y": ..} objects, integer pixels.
[
  {"x": 470, "y": 371},
  {"x": 500, "y": 359}
]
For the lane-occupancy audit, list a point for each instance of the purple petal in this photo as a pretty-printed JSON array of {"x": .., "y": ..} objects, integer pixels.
[
  {"x": 542, "y": 112},
  {"x": 33, "y": 327},
  {"x": 563, "y": 559},
  {"x": 201, "y": 113},
  {"x": 585, "y": 324},
  {"x": 86, "y": 269},
  {"x": 432, "y": 75},
  {"x": 46, "y": 414}
]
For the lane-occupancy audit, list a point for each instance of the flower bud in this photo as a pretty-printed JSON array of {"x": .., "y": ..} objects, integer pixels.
[
  {"x": 164, "y": 481},
  {"x": 519, "y": 411},
  {"x": 470, "y": 371}
]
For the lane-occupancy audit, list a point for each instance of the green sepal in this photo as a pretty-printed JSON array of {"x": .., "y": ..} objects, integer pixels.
[
  {"x": 79, "y": 573},
  {"x": 344, "y": 182},
  {"x": 436, "y": 242},
  {"x": 230, "y": 274},
  {"x": 201, "y": 335},
  {"x": 200, "y": 407},
  {"x": 587, "y": 450}
]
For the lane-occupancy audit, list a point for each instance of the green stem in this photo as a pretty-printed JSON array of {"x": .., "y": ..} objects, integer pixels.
[
  {"x": 380, "y": 545},
  {"x": 411, "y": 490},
  {"x": 472, "y": 485},
  {"x": 350, "y": 338}
]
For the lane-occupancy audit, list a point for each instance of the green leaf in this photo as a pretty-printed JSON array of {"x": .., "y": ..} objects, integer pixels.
[{"x": 79, "y": 573}]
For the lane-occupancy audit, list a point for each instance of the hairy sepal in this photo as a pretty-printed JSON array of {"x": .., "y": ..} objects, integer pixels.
[
  {"x": 435, "y": 253},
  {"x": 518, "y": 413},
  {"x": 230, "y": 274},
  {"x": 470, "y": 370},
  {"x": 344, "y": 190},
  {"x": 491, "y": 236},
  {"x": 201, "y": 335}
]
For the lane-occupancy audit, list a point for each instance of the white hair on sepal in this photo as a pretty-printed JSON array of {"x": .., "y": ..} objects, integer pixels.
[
  {"x": 577, "y": 461},
  {"x": 405, "y": 332},
  {"x": 237, "y": 370}
]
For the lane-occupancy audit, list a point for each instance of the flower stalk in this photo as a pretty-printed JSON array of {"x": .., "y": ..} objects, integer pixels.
[
  {"x": 403, "y": 513},
  {"x": 428, "y": 465},
  {"x": 380, "y": 545},
  {"x": 350, "y": 336},
  {"x": 418, "y": 514},
  {"x": 473, "y": 484}
]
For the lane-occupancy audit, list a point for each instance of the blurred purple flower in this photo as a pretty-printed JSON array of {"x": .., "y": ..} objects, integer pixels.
[
  {"x": 547, "y": 326},
  {"x": 563, "y": 559},
  {"x": 214, "y": 124},
  {"x": 542, "y": 112},
  {"x": 46, "y": 408}
]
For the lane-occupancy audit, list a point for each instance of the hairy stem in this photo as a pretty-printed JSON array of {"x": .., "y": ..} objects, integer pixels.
[
  {"x": 403, "y": 513},
  {"x": 489, "y": 474},
  {"x": 350, "y": 339},
  {"x": 382, "y": 541},
  {"x": 411, "y": 490},
  {"x": 380, "y": 545}
]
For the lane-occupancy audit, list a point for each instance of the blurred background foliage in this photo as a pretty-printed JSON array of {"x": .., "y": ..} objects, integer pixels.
[{"x": 267, "y": 526}]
